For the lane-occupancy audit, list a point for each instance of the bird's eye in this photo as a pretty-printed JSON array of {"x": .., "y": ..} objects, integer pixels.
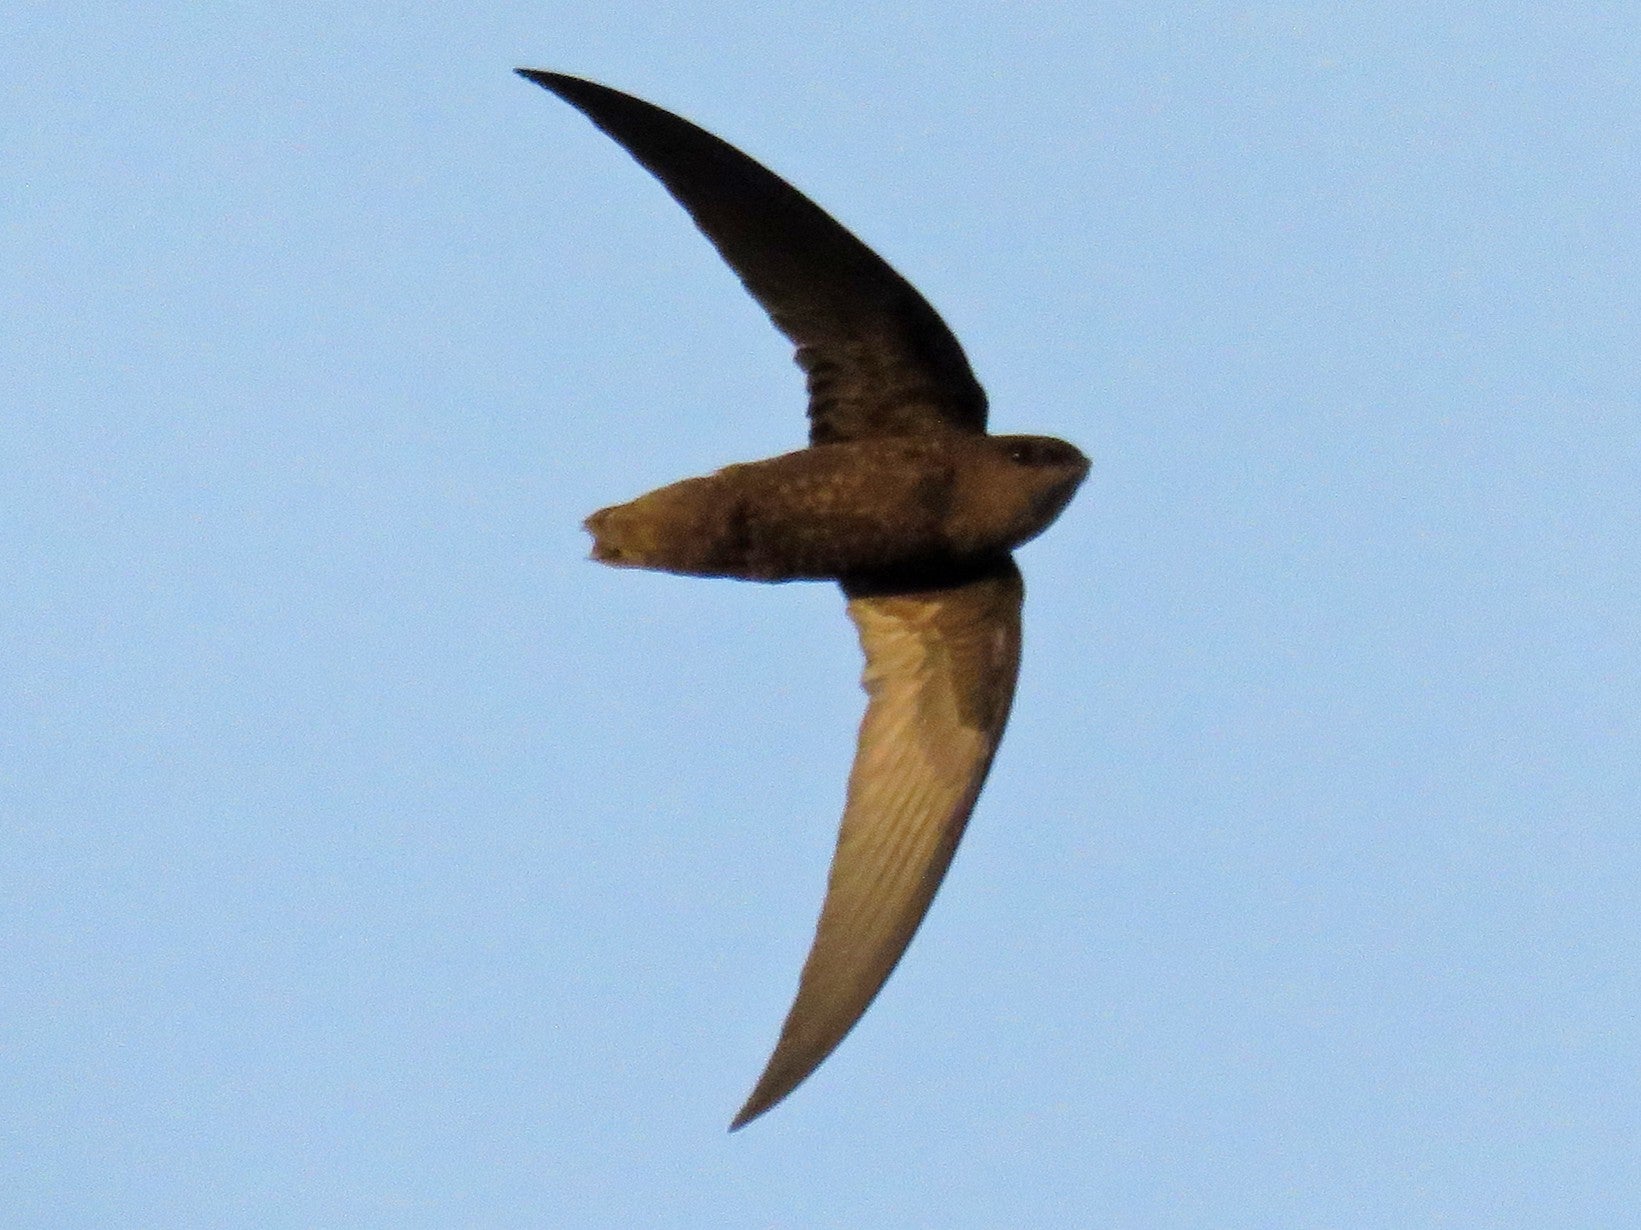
[
  {"x": 1025, "y": 453},
  {"x": 1036, "y": 452},
  {"x": 1033, "y": 452}
]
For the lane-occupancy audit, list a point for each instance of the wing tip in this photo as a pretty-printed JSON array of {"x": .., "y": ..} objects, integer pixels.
[
  {"x": 799, "y": 1051},
  {"x": 771, "y": 1089},
  {"x": 562, "y": 84}
]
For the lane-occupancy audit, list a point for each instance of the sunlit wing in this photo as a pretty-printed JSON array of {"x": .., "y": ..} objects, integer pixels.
[{"x": 940, "y": 671}]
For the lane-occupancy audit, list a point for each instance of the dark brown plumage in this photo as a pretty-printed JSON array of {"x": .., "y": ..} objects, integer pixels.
[{"x": 901, "y": 497}]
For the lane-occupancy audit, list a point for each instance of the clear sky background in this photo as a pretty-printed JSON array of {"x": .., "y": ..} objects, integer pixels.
[{"x": 370, "y": 859}]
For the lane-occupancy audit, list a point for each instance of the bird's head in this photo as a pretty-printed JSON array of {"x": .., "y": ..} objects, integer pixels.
[
  {"x": 1044, "y": 473},
  {"x": 1010, "y": 489}
]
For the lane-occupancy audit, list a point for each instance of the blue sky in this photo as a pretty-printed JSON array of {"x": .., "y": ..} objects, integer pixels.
[{"x": 370, "y": 858}]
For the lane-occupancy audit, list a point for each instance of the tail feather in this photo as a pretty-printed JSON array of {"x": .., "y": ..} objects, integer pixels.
[{"x": 625, "y": 541}]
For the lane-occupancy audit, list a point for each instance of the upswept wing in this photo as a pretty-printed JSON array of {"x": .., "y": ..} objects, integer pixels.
[
  {"x": 879, "y": 360},
  {"x": 941, "y": 665}
]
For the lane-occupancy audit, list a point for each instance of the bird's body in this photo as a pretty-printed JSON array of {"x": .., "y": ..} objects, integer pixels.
[
  {"x": 837, "y": 511},
  {"x": 901, "y": 497}
]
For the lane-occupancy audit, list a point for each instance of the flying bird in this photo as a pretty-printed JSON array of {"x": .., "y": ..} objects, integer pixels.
[{"x": 901, "y": 497}]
